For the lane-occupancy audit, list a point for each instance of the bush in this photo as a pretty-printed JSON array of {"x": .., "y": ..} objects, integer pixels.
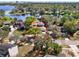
[{"x": 56, "y": 48}]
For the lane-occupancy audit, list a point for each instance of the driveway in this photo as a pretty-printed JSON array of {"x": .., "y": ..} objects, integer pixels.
[{"x": 12, "y": 30}]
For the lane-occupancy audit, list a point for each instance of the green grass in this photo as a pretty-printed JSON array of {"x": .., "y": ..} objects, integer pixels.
[{"x": 18, "y": 33}]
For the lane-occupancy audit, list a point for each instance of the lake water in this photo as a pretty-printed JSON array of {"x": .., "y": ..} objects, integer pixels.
[{"x": 8, "y": 8}]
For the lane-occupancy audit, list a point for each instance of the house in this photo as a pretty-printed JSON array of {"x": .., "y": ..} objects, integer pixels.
[
  {"x": 34, "y": 24},
  {"x": 38, "y": 16},
  {"x": 38, "y": 24},
  {"x": 6, "y": 24},
  {"x": 19, "y": 24}
]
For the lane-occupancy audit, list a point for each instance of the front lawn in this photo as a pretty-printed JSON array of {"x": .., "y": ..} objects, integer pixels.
[{"x": 18, "y": 33}]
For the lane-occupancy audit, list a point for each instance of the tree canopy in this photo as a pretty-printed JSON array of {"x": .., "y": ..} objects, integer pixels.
[
  {"x": 33, "y": 31},
  {"x": 28, "y": 22},
  {"x": 56, "y": 48}
]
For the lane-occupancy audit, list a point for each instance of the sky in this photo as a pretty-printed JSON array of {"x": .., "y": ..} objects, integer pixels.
[{"x": 42, "y": 0}]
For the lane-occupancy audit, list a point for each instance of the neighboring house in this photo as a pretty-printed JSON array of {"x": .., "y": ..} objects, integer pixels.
[
  {"x": 6, "y": 24},
  {"x": 38, "y": 16},
  {"x": 19, "y": 24},
  {"x": 50, "y": 27},
  {"x": 27, "y": 38},
  {"x": 62, "y": 29}
]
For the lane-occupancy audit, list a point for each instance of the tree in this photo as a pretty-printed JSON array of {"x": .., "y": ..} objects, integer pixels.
[
  {"x": 7, "y": 19},
  {"x": 63, "y": 19},
  {"x": 33, "y": 31},
  {"x": 42, "y": 12},
  {"x": 56, "y": 48},
  {"x": 4, "y": 32},
  {"x": 4, "y": 19},
  {"x": 2, "y": 12},
  {"x": 75, "y": 15},
  {"x": 70, "y": 26},
  {"x": 45, "y": 21},
  {"x": 1, "y": 21},
  {"x": 28, "y": 22}
]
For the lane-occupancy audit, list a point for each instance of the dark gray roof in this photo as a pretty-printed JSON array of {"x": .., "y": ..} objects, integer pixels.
[{"x": 4, "y": 49}]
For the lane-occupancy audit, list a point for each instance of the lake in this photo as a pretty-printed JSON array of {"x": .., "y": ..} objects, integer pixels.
[{"x": 8, "y": 9}]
